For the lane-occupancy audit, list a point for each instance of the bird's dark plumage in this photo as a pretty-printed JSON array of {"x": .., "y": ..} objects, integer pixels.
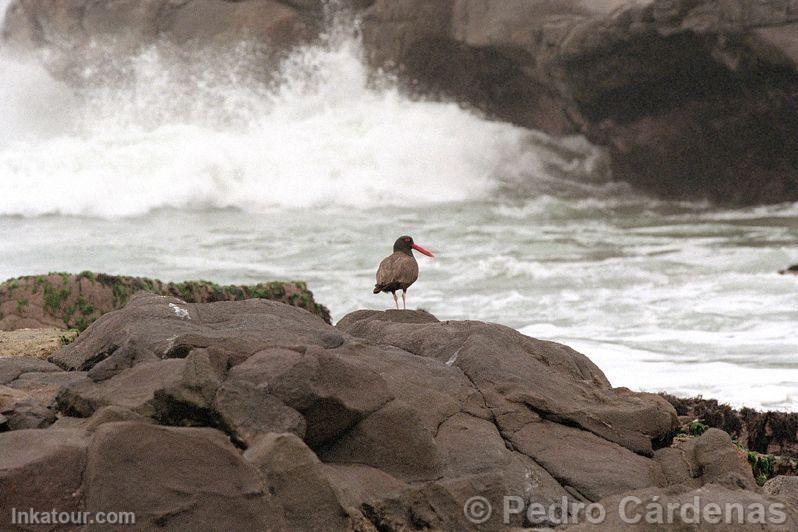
[{"x": 399, "y": 270}]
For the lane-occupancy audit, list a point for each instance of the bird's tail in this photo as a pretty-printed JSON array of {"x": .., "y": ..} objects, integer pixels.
[{"x": 378, "y": 288}]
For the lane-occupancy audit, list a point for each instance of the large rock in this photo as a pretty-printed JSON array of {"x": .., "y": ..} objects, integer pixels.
[
  {"x": 299, "y": 482},
  {"x": 76, "y": 301},
  {"x": 517, "y": 374},
  {"x": 12, "y": 367},
  {"x": 175, "y": 479},
  {"x": 18, "y": 410},
  {"x": 42, "y": 470},
  {"x": 152, "y": 327},
  {"x": 133, "y": 389},
  {"x": 692, "y": 99}
]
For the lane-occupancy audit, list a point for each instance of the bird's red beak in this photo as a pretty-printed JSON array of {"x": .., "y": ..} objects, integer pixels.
[{"x": 422, "y": 250}]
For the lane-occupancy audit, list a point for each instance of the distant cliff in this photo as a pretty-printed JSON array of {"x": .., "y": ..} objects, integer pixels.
[{"x": 692, "y": 98}]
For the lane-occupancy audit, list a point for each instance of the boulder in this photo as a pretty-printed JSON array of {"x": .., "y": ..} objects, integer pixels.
[
  {"x": 298, "y": 480},
  {"x": 42, "y": 470},
  {"x": 153, "y": 327},
  {"x": 133, "y": 389},
  {"x": 20, "y": 411},
  {"x": 43, "y": 387},
  {"x": 517, "y": 374},
  {"x": 188, "y": 402},
  {"x": 48, "y": 303},
  {"x": 12, "y": 367},
  {"x": 330, "y": 392},
  {"x": 249, "y": 412},
  {"x": 176, "y": 479}
]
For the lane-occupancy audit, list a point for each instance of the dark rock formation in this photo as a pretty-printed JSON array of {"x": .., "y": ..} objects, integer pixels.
[
  {"x": 692, "y": 98},
  {"x": 389, "y": 421},
  {"x": 75, "y": 301}
]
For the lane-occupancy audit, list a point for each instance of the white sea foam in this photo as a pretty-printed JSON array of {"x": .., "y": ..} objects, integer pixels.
[{"x": 182, "y": 135}]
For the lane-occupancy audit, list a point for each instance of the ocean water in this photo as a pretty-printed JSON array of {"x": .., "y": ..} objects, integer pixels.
[{"x": 196, "y": 169}]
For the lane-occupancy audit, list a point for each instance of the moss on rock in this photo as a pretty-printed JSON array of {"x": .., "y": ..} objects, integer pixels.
[{"x": 65, "y": 300}]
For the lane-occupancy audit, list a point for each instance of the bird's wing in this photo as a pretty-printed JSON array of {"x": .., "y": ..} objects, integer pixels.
[{"x": 397, "y": 268}]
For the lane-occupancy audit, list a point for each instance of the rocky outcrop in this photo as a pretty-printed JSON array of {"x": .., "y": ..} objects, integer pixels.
[
  {"x": 75, "y": 301},
  {"x": 260, "y": 415},
  {"x": 692, "y": 99}
]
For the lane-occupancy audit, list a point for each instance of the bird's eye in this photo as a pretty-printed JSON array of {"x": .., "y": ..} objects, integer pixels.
[{"x": 407, "y": 240}]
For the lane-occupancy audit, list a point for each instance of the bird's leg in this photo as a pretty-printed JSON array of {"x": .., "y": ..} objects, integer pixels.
[
  {"x": 404, "y": 300},
  {"x": 396, "y": 301}
]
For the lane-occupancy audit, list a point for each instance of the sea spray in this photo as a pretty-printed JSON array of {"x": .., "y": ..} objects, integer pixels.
[{"x": 195, "y": 133}]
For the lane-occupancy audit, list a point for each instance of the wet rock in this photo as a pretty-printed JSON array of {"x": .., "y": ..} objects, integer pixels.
[{"x": 792, "y": 270}]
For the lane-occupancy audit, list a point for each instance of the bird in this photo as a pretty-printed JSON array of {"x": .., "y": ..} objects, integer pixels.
[{"x": 399, "y": 270}]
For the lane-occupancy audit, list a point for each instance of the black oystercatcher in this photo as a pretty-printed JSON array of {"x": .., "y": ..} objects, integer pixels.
[{"x": 399, "y": 270}]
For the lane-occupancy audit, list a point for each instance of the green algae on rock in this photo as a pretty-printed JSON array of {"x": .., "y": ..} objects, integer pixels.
[{"x": 75, "y": 301}]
